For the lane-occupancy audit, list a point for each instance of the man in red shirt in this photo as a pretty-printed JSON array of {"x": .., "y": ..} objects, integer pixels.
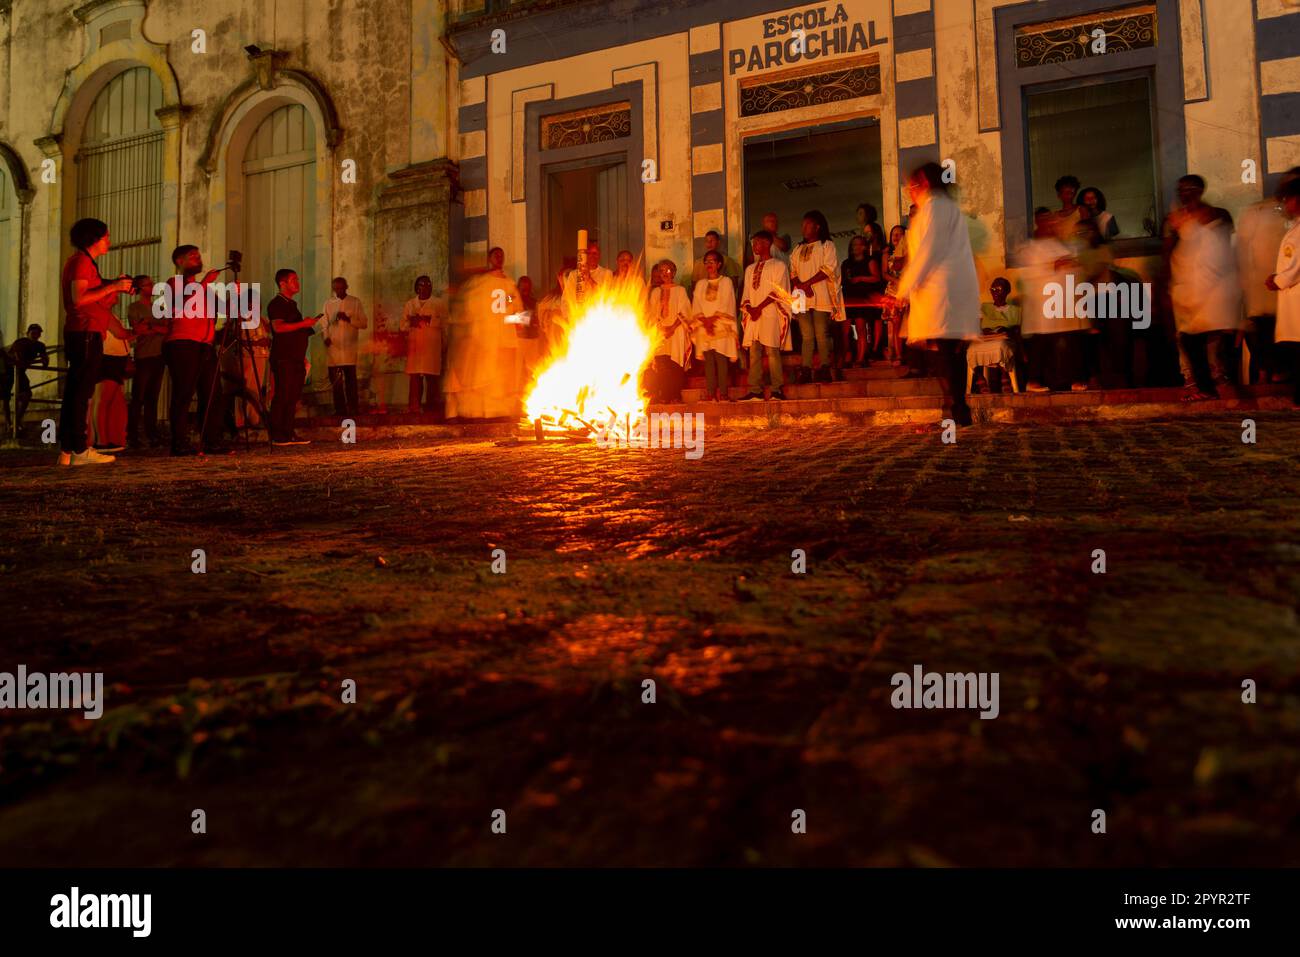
[
  {"x": 191, "y": 355},
  {"x": 88, "y": 304}
]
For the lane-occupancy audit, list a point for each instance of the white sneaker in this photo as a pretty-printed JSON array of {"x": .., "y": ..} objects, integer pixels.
[{"x": 91, "y": 457}]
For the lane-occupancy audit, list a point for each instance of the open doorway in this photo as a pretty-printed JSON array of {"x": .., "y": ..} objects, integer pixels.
[
  {"x": 832, "y": 168},
  {"x": 587, "y": 194}
]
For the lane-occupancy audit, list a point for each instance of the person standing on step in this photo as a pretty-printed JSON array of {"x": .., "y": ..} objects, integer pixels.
[
  {"x": 670, "y": 310},
  {"x": 713, "y": 314},
  {"x": 815, "y": 272},
  {"x": 764, "y": 305},
  {"x": 941, "y": 285},
  {"x": 422, "y": 323},
  {"x": 1286, "y": 283}
]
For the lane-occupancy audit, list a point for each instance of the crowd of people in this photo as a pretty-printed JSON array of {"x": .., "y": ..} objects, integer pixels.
[{"x": 910, "y": 299}]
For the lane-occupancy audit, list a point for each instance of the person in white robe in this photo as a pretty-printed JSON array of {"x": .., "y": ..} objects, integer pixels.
[
  {"x": 669, "y": 313},
  {"x": 815, "y": 284},
  {"x": 422, "y": 321},
  {"x": 1260, "y": 229},
  {"x": 713, "y": 322},
  {"x": 940, "y": 284},
  {"x": 628, "y": 275},
  {"x": 578, "y": 286},
  {"x": 765, "y": 309},
  {"x": 481, "y": 381},
  {"x": 1204, "y": 288},
  {"x": 1051, "y": 328},
  {"x": 344, "y": 318},
  {"x": 1285, "y": 281}
]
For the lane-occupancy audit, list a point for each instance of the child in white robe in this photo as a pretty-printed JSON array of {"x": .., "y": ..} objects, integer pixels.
[
  {"x": 713, "y": 315},
  {"x": 670, "y": 312},
  {"x": 765, "y": 306}
]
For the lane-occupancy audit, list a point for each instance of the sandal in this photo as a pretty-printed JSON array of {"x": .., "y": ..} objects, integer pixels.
[{"x": 1192, "y": 393}]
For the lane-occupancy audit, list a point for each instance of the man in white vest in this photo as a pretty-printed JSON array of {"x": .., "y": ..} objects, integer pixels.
[{"x": 941, "y": 285}]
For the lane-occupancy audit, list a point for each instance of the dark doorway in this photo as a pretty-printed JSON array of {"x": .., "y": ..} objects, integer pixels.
[
  {"x": 831, "y": 168},
  {"x": 590, "y": 195}
]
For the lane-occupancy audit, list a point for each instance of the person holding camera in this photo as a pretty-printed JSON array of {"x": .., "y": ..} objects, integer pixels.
[
  {"x": 191, "y": 354},
  {"x": 290, "y": 336},
  {"x": 88, "y": 306},
  {"x": 344, "y": 316}
]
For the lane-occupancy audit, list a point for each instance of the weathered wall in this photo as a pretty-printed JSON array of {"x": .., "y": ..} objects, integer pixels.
[{"x": 377, "y": 64}]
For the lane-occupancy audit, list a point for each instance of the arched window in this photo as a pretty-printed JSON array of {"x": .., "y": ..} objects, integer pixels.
[
  {"x": 279, "y": 200},
  {"x": 120, "y": 173},
  {"x": 10, "y": 240}
]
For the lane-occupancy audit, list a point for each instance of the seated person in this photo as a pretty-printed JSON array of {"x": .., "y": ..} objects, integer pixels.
[{"x": 998, "y": 319}]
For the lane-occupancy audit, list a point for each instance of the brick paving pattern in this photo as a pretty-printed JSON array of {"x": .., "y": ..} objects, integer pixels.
[{"x": 522, "y": 691}]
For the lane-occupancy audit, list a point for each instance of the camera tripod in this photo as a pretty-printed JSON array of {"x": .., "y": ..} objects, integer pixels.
[{"x": 237, "y": 343}]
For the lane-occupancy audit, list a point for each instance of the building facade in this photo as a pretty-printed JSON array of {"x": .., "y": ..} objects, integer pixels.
[
  {"x": 306, "y": 134},
  {"x": 739, "y": 107}
]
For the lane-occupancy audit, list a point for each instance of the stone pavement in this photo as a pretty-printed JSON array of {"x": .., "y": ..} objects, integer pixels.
[{"x": 523, "y": 691}]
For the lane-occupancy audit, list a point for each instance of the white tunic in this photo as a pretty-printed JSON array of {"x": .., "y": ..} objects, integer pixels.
[
  {"x": 940, "y": 280},
  {"x": 1259, "y": 236},
  {"x": 819, "y": 258},
  {"x": 1287, "y": 278},
  {"x": 671, "y": 314},
  {"x": 1040, "y": 257},
  {"x": 772, "y": 328},
  {"x": 424, "y": 340},
  {"x": 600, "y": 277},
  {"x": 717, "y": 298},
  {"x": 1203, "y": 286},
  {"x": 342, "y": 350}
]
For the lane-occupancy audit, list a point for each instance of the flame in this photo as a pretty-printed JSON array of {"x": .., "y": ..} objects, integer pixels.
[{"x": 594, "y": 382}]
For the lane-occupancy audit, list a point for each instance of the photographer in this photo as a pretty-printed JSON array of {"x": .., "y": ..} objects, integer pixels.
[
  {"x": 290, "y": 335},
  {"x": 88, "y": 304},
  {"x": 191, "y": 355}
]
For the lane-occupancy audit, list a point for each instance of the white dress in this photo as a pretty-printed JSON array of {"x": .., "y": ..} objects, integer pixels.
[
  {"x": 1040, "y": 257},
  {"x": 940, "y": 280},
  {"x": 1287, "y": 278},
  {"x": 1204, "y": 287},
  {"x": 717, "y": 298},
  {"x": 772, "y": 328},
  {"x": 424, "y": 340},
  {"x": 672, "y": 319},
  {"x": 819, "y": 258}
]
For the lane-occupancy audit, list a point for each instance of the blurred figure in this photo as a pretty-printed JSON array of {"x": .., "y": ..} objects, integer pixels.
[
  {"x": 1204, "y": 287},
  {"x": 628, "y": 273},
  {"x": 1259, "y": 237},
  {"x": 1052, "y": 336},
  {"x": 481, "y": 376},
  {"x": 941, "y": 285}
]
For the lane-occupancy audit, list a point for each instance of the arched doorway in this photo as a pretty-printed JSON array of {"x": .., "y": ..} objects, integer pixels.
[
  {"x": 120, "y": 173},
  {"x": 279, "y": 199},
  {"x": 10, "y": 246}
]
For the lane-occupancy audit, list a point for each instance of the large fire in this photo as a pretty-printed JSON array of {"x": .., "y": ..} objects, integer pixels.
[{"x": 594, "y": 381}]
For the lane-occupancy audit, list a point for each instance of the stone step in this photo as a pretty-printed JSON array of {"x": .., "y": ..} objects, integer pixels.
[{"x": 837, "y": 390}]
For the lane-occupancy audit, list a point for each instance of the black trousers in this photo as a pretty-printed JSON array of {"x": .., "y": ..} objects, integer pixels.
[
  {"x": 429, "y": 384},
  {"x": 344, "y": 381},
  {"x": 290, "y": 374},
  {"x": 85, "y": 351},
  {"x": 193, "y": 367},
  {"x": 947, "y": 363},
  {"x": 1260, "y": 341},
  {"x": 144, "y": 398}
]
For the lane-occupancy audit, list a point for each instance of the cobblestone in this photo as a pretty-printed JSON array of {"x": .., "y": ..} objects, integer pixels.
[{"x": 522, "y": 691}]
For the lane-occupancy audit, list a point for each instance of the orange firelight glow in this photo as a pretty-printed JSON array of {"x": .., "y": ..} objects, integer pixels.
[{"x": 594, "y": 382}]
